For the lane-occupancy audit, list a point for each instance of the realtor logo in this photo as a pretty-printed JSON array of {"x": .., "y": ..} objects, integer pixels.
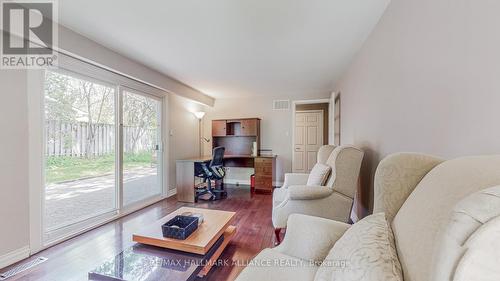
[{"x": 28, "y": 34}]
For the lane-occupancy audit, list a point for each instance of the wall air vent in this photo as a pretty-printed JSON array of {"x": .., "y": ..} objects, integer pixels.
[
  {"x": 21, "y": 267},
  {"x": 281, "y": 105}
]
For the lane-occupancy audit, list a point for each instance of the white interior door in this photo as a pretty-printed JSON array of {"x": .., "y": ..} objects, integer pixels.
[{"x": 308, "y": 140}]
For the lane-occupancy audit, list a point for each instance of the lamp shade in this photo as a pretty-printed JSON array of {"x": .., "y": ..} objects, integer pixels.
[{"x": 199, "y": 114}]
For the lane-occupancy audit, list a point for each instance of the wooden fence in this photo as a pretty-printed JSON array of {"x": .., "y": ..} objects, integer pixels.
[{"x": 81, "y": 139}]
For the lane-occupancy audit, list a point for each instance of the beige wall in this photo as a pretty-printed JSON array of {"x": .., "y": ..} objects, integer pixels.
[
  {"x": 14, "y": 187},
  {"x": 276, "y": 130},
  {"x": 14, "y": 206},
  {"x": 427, "y": 80},
  {"x": 183, "y": 132},
  {"x": 14, "y": 148}
]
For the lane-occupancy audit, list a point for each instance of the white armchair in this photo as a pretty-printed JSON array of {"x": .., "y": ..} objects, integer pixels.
[
  {"x": 444, "y": 216},
  {"x": 279, "y": 194},
  {"x": 303, "y": 256},
  {"x": 332, "y": 201}
]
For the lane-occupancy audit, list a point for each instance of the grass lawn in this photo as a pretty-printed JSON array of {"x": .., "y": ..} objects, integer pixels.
[{"x": 64, "y": 168}]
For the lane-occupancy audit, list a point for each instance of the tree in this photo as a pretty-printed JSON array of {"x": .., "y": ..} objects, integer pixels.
[
  {"x": 139, "y": 113},
  {"x": 59, "y": 99},
  {"x": 96, "y": 99},
  {"x": 75, "y": 100}
]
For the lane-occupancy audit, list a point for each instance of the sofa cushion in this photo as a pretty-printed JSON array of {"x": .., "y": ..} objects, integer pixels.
[
  {"x": 428, "y": 209},
  {"x": 366, "y": 251},
  {"x": 468, "y": 216},
  {"x": 319, "y": 174},
  {"x": 273, "y": 265},
  {"x": 311, "y": 238},
  {"x": 482, "y": 257}
]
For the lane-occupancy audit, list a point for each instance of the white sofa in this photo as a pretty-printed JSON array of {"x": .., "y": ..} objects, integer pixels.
[
  {"x": 445, "y": 217},
  {"x": 333, "y": 200}
]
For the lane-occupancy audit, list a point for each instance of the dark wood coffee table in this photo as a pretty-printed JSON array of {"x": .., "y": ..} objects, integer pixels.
[{"x": 159, "y": 258}]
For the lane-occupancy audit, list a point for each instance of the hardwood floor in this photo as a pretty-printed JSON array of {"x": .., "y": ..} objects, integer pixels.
[{"x": 73, "y": 259}]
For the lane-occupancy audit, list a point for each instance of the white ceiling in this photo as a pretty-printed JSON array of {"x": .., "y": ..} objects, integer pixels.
[{"x": 233, "y": 48}]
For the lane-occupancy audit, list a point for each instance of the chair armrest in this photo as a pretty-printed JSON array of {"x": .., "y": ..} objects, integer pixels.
[
  {"x": 295, "y": 179},
  {"x": 310, "y": 238},
  {"x": 303, "y": 192}
]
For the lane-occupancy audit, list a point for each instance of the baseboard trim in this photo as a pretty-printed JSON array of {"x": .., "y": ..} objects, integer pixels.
[
  {"x": 14, "y": 256},
  {"x": 247, "y": 182},
  {"x": 235, "y": 181}
]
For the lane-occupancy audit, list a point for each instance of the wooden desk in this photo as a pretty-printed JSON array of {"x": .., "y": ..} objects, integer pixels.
[{"x": 265, "y": 167}]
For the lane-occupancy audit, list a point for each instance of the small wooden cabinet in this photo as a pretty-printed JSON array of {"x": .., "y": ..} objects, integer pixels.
[
  {"x": 236, "y": 127},
  {"x": 236, "y": 135},
  {"x": 249, "y": 127},
  {"x": 265, "y": 173},
  {"x": 219, "y": 128}
]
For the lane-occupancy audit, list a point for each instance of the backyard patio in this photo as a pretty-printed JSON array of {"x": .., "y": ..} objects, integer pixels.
[{"x": 71, "y": 201}]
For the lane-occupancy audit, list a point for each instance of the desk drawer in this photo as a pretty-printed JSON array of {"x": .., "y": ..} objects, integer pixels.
[
  {"x": 265, "y": 173},
  {"x": 264, "y": 183},
  {"x": 264, "y": 162},
  {"x": 264, "y": 170}
]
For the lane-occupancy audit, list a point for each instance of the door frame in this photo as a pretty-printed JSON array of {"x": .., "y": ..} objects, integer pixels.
[
  {"x": 122, "y": 208},
  {"x": 294, "y": 111},
  {"x": 321, "y": 121}
]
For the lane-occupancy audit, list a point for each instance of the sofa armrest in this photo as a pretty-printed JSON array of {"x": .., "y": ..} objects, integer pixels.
[
  {"x": 310, "y": 238},
  {"x": 396, "y": 177},
  {"x": 295, "y": 179},
  {"x": 303, "y": 192}
]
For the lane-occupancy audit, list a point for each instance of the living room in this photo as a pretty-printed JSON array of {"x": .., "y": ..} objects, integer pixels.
[{"x": 250, "y": 140}]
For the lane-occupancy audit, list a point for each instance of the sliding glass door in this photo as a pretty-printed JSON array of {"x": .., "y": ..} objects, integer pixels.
[
  {"x": 85, "y": 181},
  {"x": 141, "y": 146},
  {"x": 80, "y": 142}
]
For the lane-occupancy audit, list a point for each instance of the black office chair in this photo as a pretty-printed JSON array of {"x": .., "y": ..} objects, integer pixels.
[{"x": 213, "y": 171}]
